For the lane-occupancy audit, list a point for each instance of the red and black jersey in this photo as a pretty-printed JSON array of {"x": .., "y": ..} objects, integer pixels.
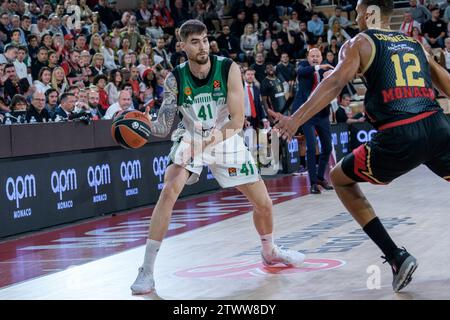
[{"x": 398, "y": 78}]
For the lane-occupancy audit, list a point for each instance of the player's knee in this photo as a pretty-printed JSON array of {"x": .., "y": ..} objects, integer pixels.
[
  {"x": 264, "y": 206},
  {"x": 171, "y": 191},
  {"x": 334, "y": 176}
]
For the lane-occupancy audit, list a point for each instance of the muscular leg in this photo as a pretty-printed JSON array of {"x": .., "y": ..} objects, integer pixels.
[
  {"x": 351, "y": 196},
  {"x": 258, "y": 196},
  {"x": 174, "y": 181}
]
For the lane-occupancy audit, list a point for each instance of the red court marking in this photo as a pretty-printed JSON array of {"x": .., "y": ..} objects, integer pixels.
[{"x": 87, "y": 241}]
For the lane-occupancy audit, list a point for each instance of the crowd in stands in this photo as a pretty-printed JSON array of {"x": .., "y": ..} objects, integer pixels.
[{"x": 75, "y": 59}]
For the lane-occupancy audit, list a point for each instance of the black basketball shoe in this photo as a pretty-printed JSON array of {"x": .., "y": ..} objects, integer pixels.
[{"x": 403, "y": 266}]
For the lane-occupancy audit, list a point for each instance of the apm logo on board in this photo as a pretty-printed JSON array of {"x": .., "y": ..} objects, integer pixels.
[
  {"x": 293, "y": 150},
  {"x": 159, "y": 169},
  {"x": 98, "y": 176},
  {"x": 17, "y": 190},
  {"x": 130, "y": 171},
  {"x": 62, "y": 182}
]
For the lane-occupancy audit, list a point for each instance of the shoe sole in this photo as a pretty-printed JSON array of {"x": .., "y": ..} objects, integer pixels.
[
  {"x": 134, "y": 293},
  {"x": 407, "y": 269},
  {"x": 268, "y": 264}
]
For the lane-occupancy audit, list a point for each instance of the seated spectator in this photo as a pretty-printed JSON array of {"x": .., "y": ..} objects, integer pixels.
[
  {"x": 416, "y": 34},
  {"x": 95, "y": 108},
  {"x": 447, "y": 54},
  {"x": 344, "y": 113},
  {"x": 115, "y": 82},
  {"x": 51, "y": 101},
  {"x": 11, "y": 84},
  {"x": 10, "y": 54},
  {"x": 65, "y": 109},
  {"x": 435, "y": 30},
  {"x": 408, "y": 24},
  {"x": 100, "y": 82},
  {"x": 154, "y": 30},
  {"x": 36, "y": 111},
  {"x": 338, "y": 32},
  {"x": 315, "y": 25},
  {"x": 97, "y": 66},
  {"x": 18, "y": 107},
  {"x": 108, "y": 54},
  {"x": 124, "y": 103},
  {"x": 59, "y": 80}
]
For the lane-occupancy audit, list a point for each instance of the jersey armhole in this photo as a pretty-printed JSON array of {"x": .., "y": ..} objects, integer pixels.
[
  {"x": 372, "y": 55},
  {"x": 226, "y": 65}
]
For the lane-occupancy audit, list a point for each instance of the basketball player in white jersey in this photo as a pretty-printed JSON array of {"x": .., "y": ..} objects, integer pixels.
[{"x": 208, "y": 93}]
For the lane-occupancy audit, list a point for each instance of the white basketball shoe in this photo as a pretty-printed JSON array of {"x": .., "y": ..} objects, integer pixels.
[
  {"x": 144, "y": 282},
  {"x": 288, "y": 257}
]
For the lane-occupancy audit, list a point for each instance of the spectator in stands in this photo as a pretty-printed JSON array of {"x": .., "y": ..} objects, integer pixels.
[
  {"x": 59, "y": 80},
  {"x": 18, "y": 107},
  {"x": 43, "y": 83},
  {"x": 20, "y": 65},
  {"x": 274, "y": 54},
  {"x": 238, "y": 25},
  {"x": 95, "y": 109},
  {"x": 108, "y": 54},
  {"x": 41, "y": 27},
  {"x": 294, "y": 22},
  {"x": 124, "y": 103},
  {"x": 154, "y": 30},
  {"x": 338, "y": 32},
  {"x": 254, "y": 113},
  {"x": 36, "y": 111},
  {"x": 97, "y": 66},
  {"x": 435, "y": 30},
  {"x": 66, "y": 106},
  {"x": 214, "y": 49},
  {"x": 344, "y": 23},
  {"x": 180, "y": 13},
  {"x": 344, "y": 113},
  {"x": 273, "y": 93},
  {"x": 53, "y": 59},
  {"x": 418, "y": 36},
  {"x": 133, "y": 36},
  {"x": 286, "y": 70},
  {"x": 229, "y": 42},
  {"x": 100, "y": 82},
  {"x": 163, "y": 16},
  {"x": 447, "y": 54},
  {"x": 258, "y": 25},
  {"x": 11, "y": 84},
  {"x": 315, "y": 26},
  {"x": 304, "y": 10},
  {"x": 51, "y": 100},
  {"x": 408, "y": 24},
  {"x": 10, "y": 54},
  {"x": 160, "y": 51},
  {"x": 259, "y": 68},
  {"x": 419, "y": 12}
]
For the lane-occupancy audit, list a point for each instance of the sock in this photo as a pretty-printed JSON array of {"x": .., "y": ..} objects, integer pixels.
[
  {"x": 151, "y": 250},
  {"x": 267, "y": 243},
  {"x": 379, "y": 235}
]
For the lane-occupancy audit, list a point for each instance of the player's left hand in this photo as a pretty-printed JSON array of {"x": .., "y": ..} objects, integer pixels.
[{"x": 284, "y": 125}]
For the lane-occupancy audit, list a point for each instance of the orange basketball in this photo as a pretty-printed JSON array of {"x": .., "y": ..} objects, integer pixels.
[{"x": 131, "y": 129}]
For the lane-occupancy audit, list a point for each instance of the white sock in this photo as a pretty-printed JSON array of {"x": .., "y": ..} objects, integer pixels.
[
  {"x": 267, "y": 243},
  {"x": 151, "y": 250}
]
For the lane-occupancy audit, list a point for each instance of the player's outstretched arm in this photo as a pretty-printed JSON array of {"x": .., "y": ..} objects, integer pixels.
[
  {"x": 166, "y": 115},
  {"x": 331, "y": 86},
  {"x": 326, "y": 91}
]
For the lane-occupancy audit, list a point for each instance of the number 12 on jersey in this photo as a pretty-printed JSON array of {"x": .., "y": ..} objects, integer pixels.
[{"x": 412, "y": 68}]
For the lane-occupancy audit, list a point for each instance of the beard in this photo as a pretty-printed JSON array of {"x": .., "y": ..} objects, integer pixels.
[{"x": 201, "y": 59}]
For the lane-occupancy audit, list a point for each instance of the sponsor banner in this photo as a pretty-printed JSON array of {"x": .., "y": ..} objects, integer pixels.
[
  {"x": 360, "y": 133},
  {"x": 340, "y": 138},
  {"x": 42, "y": 192},
  {"x": 291, "y": 156}
]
